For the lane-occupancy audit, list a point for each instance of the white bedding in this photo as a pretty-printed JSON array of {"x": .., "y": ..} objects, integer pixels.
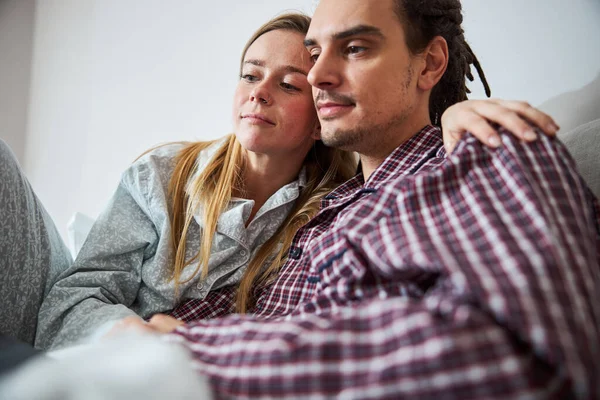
[{"x": 129, "y": 367}]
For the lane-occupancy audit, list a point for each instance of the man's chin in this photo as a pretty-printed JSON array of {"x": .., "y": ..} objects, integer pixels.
[
  {"x": 343, "y": 139},
  {"x": 335, "y": 127}
]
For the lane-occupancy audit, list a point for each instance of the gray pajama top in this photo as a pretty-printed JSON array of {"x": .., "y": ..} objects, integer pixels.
[{"x": 124, "y": 266}]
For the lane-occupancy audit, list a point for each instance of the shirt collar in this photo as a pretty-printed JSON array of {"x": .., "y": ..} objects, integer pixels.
[
  {"x": 207, "y": 154},
  {"x": 409, "y": 156},
  {"x": 302, "y": 177},
  {"x": 405, "y": 159},
  {"x": 232, "y": 221}
]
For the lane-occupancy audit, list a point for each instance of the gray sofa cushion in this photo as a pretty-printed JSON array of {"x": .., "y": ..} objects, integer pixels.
[{"x": 584, "y": 145}]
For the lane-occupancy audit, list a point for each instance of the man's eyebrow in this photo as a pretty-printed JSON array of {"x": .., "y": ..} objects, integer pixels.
[
  {"x": 287, "y": 68},
  {"x": 356, "y": 30}
]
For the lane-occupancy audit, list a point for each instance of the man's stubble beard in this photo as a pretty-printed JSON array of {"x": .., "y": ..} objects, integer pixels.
[
  {"x": 363, "y": 139},
  {"x": 357, "y": 138}
]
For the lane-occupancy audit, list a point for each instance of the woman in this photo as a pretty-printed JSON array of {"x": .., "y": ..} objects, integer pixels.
[
  {"x": 247, "y": 193},
  {"x": 188, "y": 219}
]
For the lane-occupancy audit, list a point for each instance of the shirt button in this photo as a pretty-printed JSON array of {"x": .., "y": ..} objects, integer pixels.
[
  {"x": 201, "y": 286},
  {"x": 243, "y": 253},
  {"x": 446, "y": 309},
  {"x": 295, "y": 253}
]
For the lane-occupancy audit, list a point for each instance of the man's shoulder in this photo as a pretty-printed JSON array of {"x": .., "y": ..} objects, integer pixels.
[{"x": 516, "y": 163}]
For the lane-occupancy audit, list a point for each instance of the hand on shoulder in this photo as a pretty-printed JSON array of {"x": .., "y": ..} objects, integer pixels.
[{"x": 475, "y": 116}]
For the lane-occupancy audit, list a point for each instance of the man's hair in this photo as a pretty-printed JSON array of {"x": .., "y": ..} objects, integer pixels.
[{"x": 422, "y": 21}]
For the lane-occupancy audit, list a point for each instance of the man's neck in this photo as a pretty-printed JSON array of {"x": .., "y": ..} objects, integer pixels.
[{"x": 371, "y": 160}]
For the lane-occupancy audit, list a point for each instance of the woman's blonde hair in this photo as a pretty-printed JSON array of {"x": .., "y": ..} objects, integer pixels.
[{"x": 212, "y": 189}]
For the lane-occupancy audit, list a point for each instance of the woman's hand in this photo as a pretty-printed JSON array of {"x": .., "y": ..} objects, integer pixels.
[
  {"x": 158, "y": 324},
  {"x": 130, "y": 324},
  {"x": 474, "y": 116},
  {"x": 162, "y": 323}
]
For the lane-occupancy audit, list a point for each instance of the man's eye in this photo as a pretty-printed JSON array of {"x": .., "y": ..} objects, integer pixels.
[
  {"x": 354, "y": 49},
  {"x": 314, "y": 57}
]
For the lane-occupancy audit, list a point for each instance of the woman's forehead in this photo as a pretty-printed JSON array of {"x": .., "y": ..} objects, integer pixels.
[{"x": 279, "y": 47}]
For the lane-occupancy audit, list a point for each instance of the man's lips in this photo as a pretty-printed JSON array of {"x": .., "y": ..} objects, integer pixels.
[
  {"x": 330, "y": 109},
  {"x": 257, "y": 119}
]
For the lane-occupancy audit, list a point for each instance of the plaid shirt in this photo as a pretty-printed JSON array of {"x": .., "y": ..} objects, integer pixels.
[{"x": 471, "y": 276}]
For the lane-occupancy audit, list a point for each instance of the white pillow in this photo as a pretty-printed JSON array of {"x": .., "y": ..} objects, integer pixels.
[{"x": 77, "y": 230}]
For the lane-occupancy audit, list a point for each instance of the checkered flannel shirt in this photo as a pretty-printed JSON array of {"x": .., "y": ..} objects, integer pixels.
[{"x": 471, "y": 276}]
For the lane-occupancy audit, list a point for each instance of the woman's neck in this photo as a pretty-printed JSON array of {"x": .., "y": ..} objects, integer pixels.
[{"x": 263, "y": 176}]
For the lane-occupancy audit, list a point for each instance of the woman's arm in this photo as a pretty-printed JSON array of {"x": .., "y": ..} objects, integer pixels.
[{"x": 104, "y": 280}]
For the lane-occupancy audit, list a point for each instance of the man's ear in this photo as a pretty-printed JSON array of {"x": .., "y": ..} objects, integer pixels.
[{"x": 435, "y": 56}]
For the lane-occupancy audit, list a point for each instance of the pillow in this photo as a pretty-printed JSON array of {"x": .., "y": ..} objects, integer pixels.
[
  {"x": 583, "y": 143},
  {"x": 77, "y": 231}
]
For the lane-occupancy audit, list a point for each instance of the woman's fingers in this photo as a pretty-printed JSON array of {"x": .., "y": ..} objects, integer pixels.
[
  {"x": 130, "y": 324},
  {"x": 536, "y": 117},
  {"x": 164, "y": 323},
  {"x": 474, "y": 123},
  {"x": 508, "y": 118},
  {"x": 159, "y": 323},
  {"x": 475, "y": 117}
]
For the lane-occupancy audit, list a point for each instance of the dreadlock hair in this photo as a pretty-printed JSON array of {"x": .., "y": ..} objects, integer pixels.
[{"x": 422, "y": 21}]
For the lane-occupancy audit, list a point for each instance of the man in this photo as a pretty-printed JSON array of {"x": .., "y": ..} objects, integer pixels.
[{"x": 475, "y": 276}]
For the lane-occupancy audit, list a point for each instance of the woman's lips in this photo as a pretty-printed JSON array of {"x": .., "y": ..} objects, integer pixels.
[{"x": 257, "y": 119}]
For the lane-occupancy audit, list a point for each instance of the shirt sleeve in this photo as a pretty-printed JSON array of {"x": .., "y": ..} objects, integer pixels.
[
  {"x": 216, "y": 304},
  {"x": 104, "y": 280},
  {"x": 478, "y": 279}
]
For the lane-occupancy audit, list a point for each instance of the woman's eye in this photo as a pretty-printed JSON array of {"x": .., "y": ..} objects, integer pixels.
[
  {"x": 248, "y": 77},
  {"x": 287, "y": 86},
  {"x": 314, "y": 57}
]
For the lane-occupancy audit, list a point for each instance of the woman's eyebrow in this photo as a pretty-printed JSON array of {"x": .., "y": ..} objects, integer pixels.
[
  {"x": 287, "y": 68},
  {"x": 292, "y": 69},
  {"x": 258, "y": 63}
]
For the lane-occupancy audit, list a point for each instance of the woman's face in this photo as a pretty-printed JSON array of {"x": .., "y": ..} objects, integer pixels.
[{"x": 273, "y": 110}]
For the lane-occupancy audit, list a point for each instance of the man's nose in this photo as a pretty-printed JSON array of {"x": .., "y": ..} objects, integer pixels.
[{"x": 325, "y": 73}]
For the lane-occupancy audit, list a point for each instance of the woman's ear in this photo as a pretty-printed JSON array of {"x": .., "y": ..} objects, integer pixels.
[{"x": 317, "y": 132}]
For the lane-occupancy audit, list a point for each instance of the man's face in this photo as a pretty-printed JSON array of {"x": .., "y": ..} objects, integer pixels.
[{"x": 363, "y": 77}]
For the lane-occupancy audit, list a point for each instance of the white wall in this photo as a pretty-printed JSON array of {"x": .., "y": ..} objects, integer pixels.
[
  {"x": 535, "y": 49},
  {"x": 543, "y": 51},
  {"x": 16, "y": 42},
  {"x": 112, "y": 78}
]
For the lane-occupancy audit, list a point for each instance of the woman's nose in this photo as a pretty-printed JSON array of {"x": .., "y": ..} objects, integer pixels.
[{"x": 260, "y": 94}]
